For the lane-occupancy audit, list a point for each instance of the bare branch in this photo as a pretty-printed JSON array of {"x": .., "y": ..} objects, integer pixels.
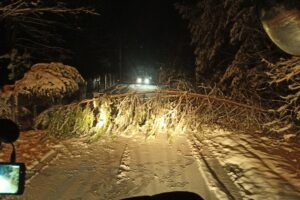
[{"x": 56, "y": 10}]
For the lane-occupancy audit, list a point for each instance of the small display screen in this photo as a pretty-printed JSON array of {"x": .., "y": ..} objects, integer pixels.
[{"x": 11, "y": 178}]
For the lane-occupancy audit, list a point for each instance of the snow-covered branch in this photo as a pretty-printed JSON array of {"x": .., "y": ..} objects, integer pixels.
[{"x": 23, "y": 8}]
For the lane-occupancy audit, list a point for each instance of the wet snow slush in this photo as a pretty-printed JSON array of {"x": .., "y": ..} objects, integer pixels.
[{"x": 116, "y": 168}]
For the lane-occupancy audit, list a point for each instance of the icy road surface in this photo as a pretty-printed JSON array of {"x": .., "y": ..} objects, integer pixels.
[{"x": 120, "y": 168}]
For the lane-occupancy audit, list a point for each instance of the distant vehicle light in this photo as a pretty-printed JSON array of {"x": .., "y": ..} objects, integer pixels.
[
  {"x": 139, "y": 80},
  {"x": 147, "y": 81}
]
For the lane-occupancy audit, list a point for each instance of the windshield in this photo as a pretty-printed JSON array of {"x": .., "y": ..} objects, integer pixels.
[{"x": 172, "y": 99}]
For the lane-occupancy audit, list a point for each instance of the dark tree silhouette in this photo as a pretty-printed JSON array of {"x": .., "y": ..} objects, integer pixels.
[
  {"x": 233, "y": 52},
  {"x": 31, "y": 30}
]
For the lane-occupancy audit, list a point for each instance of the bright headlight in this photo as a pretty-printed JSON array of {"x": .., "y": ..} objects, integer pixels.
[
  {"x": 147, "y": 81},
  {"x": 138, "y": 80}
]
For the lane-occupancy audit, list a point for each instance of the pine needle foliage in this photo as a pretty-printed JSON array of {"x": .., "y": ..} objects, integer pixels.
[{"x": 234, "y": 53}]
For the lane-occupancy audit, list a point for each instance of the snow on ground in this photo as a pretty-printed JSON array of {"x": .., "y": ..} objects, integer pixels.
[
  {"x": 31, "y": 147},
  {"x": 114, "y": 168},
  {"x": 160, "y": 165},
  {"x": 262, "y": 168}
]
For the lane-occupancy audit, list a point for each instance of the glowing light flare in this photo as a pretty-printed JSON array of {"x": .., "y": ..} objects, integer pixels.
[
  {"x": 146, "y": 81},
  {"x": 95, "y": 104},
  {"x": 162, "y": 122},
  {"x": 102, "y": 119},
  {"x": 139, "y": 80}
]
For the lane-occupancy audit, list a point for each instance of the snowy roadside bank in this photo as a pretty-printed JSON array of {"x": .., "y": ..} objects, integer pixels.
[
  {"x": 32, "y": 147},
  {"x": 262, "y": 168}
]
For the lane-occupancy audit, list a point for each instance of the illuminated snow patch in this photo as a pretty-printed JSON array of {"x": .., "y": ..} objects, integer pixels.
[
  {"x": 143, "y": 88},
  {"x": 102, "y": 119}
]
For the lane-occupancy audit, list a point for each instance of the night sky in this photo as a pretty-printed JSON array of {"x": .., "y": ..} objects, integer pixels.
[
  {"x": 146, "y": 34},
  {"x": 143, "y": 34}
]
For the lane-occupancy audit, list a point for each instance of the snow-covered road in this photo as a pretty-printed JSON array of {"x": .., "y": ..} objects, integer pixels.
[
  {"x": 120, "y": 168},
  {"x": 215, "y": 164},
  {"x": 261, "y": 167}
]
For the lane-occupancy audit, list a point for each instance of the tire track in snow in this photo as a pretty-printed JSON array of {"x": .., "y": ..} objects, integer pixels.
[
  {"x": 124, "y": 166},
  {"x": 222, "y": 180}
]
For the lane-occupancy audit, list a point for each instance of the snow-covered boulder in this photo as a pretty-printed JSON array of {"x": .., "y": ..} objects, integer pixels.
[{"x": 48, "y": 83}]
